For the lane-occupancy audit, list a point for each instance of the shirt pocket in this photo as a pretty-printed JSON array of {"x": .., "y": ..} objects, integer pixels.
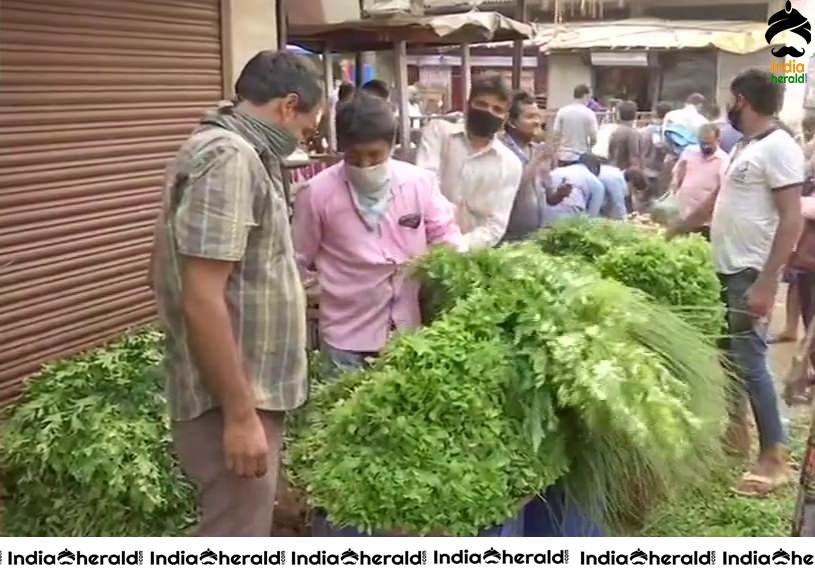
[{"x": 410, "y": 228}]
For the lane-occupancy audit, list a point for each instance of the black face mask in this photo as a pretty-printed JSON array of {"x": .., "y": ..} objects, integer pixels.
[
  {"x": 734, "y": 117},
  {"x": 482, "y": 124},
  {"x": 708, "y": 150}
]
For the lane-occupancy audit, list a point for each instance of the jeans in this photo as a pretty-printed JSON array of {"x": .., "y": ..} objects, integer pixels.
[
  {"x": 614, "y": 205},
  {"x": 747, "y": 350},
  {"x": 338, "y": 361}
]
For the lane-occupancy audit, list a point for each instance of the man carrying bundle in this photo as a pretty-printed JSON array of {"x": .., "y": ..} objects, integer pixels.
[{"x": 357, "y": 225}]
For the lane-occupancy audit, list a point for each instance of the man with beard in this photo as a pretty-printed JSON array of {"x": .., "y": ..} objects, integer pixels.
[
  {"x": 229, "y": 294},
  {"x": 477, "y": 172},
  {"x": 756, "y": 224},
  {"x": 357, "y": 225}
]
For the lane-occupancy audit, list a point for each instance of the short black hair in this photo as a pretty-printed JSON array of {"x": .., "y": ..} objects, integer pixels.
[
  {"x": 490, "y": 84},
  {"x": 520, "y": 99},
  {"x": 378, "y": 88},
  {"x": 628, "y": 111},
  {"x": 345, "y": 91},
  {"x": 636, "y": 177},
  {"x": 363, "y": 119},
  {"x": 272, "y": 74},
  {"x": 581, "y": 90},
  {"x": 696, "y": 99},
  {"x": 663, "y": 108},
  {"x": 592, "y": 162},
  {"x": 758, "y": 88}
]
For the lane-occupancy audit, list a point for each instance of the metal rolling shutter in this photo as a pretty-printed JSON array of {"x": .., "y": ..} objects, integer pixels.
[{"x": 95, "y": 97}]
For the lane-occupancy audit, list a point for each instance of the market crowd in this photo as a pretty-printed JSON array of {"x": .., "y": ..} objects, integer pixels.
[{"x": 233, "y": 264}]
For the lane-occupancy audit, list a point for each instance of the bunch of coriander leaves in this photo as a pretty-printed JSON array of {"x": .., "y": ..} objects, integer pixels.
[
  {"x": 86, "y": 451},
  {"x": 534, "y": 370}
]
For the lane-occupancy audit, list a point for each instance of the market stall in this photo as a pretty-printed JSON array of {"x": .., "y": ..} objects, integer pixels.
[{"x": 395, "y": 33}]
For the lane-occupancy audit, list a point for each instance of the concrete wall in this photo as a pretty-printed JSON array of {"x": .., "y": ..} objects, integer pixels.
[
  {"x": 730, "y": 65},
  {"x": 794, "y": 94},
  {"x": 248, "y": 27},
  {"x": 566, "y": 71}
]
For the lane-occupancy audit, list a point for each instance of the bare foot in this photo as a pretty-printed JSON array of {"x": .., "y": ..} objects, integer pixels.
[{"x": 782, "y": 337}]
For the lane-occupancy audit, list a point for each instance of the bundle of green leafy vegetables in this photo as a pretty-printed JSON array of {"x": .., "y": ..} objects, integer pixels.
[
  {"x": 534, "y": 370},
  {"x": 678, "y": 273},
  {"x": 86, "y": 451}
]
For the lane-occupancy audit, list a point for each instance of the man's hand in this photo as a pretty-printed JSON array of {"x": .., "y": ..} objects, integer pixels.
[
  {"x": 559, "y": 194},
  {"x": 311, "y": 286},
  {"x": 761, "y": 297},
  {"x": 245, "y": 446}
]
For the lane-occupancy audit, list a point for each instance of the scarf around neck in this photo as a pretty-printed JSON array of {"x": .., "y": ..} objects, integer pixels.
[{"x": 262, "y": 135}]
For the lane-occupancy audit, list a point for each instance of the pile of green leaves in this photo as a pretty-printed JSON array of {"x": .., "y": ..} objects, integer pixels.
[
  {"x": 533, "y": 370},
  {"x": 678, "y": 273},
  {"x": 403, "y": 448},
  {"x": 87, "y": 451}
]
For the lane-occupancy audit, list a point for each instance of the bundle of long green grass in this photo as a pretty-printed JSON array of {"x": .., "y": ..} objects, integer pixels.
[
  {"x": 678, "y": 272},
  {"x": 534, "y": 370}
]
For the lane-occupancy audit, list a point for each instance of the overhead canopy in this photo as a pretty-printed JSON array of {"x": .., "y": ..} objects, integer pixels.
[
  {"x": 738, "y": 37},
  {"x": 381, "y": 33}
]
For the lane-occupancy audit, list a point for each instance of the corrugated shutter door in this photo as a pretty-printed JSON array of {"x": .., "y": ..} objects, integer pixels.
[{"x": 95, "y": 97}]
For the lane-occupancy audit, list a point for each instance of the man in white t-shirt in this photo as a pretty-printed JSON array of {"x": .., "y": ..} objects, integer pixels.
[
  {"x": 576, "y": 127},
  {"x": 756, "y": 225},
  {"x": 690, "y": 116}
]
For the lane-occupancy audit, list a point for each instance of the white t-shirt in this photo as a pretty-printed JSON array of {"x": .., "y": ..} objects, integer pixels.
[
  {"x": 745, "y": 218},
  {"x": 577, "y": 125},
  {"x": 604, "y": 139},
  {"x": 689, "y": 117}
]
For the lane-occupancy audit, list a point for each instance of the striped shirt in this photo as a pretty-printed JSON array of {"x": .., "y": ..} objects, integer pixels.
[{"x": 225, "y": 201}]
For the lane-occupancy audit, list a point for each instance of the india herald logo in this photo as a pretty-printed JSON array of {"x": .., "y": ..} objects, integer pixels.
[{"x": 792, "y": 20}]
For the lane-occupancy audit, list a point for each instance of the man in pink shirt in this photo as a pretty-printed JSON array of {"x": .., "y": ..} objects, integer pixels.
[
  {"x": 357, "y": 224},
  {"x": 699, "y": 175}
]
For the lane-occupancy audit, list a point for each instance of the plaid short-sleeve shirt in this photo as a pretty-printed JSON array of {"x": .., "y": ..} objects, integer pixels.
[{"x": 225, "y": 201}]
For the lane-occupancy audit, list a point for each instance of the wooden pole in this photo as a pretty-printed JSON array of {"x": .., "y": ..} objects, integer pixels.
[
  {"x": 466, "y": 73},
  {"x": 359, "y": 75},
  {"x": 400, "y": 68},
  {"x": 328, "y": 71},
  {"x": 518, "y": 48},
  {"x": 282, "y": 25}
]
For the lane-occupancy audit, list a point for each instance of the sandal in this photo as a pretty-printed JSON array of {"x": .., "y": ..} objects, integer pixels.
[{"x": 754, "y": 485}]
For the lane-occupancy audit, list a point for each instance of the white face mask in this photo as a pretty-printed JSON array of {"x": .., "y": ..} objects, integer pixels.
[{"x": 373, "y": 181}]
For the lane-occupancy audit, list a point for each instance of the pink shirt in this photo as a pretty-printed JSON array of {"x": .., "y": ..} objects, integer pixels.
[
  {"x": 703, "y": 177},
  {"x": 364, "y": 294}
]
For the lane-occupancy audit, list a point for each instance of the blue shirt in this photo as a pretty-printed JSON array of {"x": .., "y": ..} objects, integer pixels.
[
  {"x": 587, "y": 197},
  {"x": 729, "y": 137},
  {"x": 616, "y": 187}
]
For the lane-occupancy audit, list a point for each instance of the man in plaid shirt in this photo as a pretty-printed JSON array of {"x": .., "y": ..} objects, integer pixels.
[{"x": 229, "y": 294}]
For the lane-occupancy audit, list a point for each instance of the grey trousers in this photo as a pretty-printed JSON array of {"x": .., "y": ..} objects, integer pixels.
[{"x": 229, "y": 505}]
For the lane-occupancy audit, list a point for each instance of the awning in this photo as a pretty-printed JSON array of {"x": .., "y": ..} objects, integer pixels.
[
  {"x": 738, "y": 37},
  {"x": 381, "y": 33}
]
